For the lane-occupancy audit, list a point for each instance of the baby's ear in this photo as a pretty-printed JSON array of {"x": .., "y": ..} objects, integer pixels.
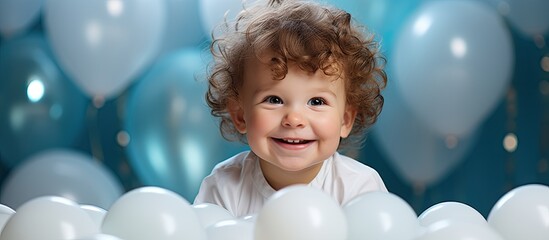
[
  {"x": 348, "y": 120},
  {"x": 237, "y": 115}
]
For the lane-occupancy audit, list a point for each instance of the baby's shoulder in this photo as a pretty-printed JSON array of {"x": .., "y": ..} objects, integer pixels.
[
  {"x": 235, "y": 162},
  {"x": 233, "y": 168},
  {"x": 353, "y": 169},
  {"x": 357, "y": 175},
  {"x": 352, "y": 165}
]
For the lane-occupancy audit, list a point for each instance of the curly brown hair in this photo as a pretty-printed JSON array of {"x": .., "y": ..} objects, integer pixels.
[{"x": 309, "y": 34}]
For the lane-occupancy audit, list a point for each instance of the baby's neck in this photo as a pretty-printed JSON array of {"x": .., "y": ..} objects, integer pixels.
[{"x": 279, "y": 178}]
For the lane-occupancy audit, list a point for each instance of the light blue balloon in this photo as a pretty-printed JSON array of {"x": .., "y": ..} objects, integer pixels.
[
  {"x": 381, "y": 17},
  {"x": 104, "y": 45},
  {"x": 213, "y": 13},
  {"x": 40, "y": 107},
  {"x": 175, "y": 142},
  {"x": 418, "y": 154},
  {"x": 453, "y": 63}
]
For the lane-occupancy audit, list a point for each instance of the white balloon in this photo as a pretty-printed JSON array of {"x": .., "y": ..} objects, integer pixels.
[
  {"x": 454, "y": 211},
  {"x": 300, "y": 212},
  {"x": 522, "y": 213},
  {"x": 48, "y": 217},
  {"x": 380, "y": 215},
  {"x": 61, "y": 172},
  {"x": 234, "y": 229},
  {"x": 105, "y": 44},
  {"x": 152, "y": 213},
  {"x": 209, "y": 213},
  {"x": 458, "y": 230},
  {"x": 96, "y": 213},
  {"x": 250, "y": 218},
  {"x": 5, "y": 214},
  {"x": 100, "y": 236},
  {"x": 6, "y": 210},
  {"x": 16, "y": 16},
  {"x": 453, "y": 63}
]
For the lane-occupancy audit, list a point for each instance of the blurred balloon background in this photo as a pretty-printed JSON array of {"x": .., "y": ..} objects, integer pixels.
[{"x": 120, "y": 84}]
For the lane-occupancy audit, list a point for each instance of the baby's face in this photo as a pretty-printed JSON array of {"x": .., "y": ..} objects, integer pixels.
[{"x": 294, "y": 123}]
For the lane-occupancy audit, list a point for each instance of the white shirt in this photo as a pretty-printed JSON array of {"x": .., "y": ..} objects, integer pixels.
[{"x": 238, "y": 184}]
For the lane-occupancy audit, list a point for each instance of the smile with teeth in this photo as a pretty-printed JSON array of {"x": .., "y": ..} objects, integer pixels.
[{"x": 292, "y": 141}]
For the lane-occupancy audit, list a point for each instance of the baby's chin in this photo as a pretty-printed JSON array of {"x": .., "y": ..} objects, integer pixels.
[{"x": 294, "y": 164}]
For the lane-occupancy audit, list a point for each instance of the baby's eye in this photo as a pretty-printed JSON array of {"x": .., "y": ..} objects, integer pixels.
[
  {"x": 273, "y": 100},
  {"x": 317, "y": 101}
]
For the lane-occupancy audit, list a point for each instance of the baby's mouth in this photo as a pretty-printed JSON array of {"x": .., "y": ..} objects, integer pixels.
[{"x": 292, "y": 141}]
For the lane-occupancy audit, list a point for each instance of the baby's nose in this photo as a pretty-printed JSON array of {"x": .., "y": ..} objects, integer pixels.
[{"x": 293, "y": 119}]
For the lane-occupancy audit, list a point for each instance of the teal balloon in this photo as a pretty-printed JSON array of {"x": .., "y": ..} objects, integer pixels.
[
  {"x": 174, "y": 140},
  {"x": 16, "y": 17},
  {"x": 183, "y": 25},
  {"x": 40, "y": 107}
]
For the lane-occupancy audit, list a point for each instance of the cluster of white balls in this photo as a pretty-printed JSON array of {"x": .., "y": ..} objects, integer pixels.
[{"x": 293, "y": 213}]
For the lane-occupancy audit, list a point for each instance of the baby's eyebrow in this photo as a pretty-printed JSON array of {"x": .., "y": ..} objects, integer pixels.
[
  {"x": 260, "y": 91},
  {"x": 330, "y": 92}
]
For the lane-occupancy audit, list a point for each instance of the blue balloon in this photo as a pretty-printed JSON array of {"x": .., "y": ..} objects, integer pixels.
[
  {"x": 174, "y": 140},
  {"x": 40, "y": 107},
  {"x": 418, "y": 154}
]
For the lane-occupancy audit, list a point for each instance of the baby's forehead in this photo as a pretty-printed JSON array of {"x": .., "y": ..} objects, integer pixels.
[
  {"x": 256, "y": 69},
  {"x": 269, "y": 57}
]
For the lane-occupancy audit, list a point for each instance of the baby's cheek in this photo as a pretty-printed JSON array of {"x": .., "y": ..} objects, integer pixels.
[
  {"x": 261, "y": 123},
  {"x": 327, "y": 126}
]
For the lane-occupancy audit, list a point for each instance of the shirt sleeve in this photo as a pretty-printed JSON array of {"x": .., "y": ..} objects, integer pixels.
[
  {"x": 355, "y": 178},
  {"x": 209, "y": 192},
  {"x": 379, "y": 181}
]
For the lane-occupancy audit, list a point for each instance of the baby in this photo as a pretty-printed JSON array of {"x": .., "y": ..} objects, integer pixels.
[{"x": 297, "y": 81}]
